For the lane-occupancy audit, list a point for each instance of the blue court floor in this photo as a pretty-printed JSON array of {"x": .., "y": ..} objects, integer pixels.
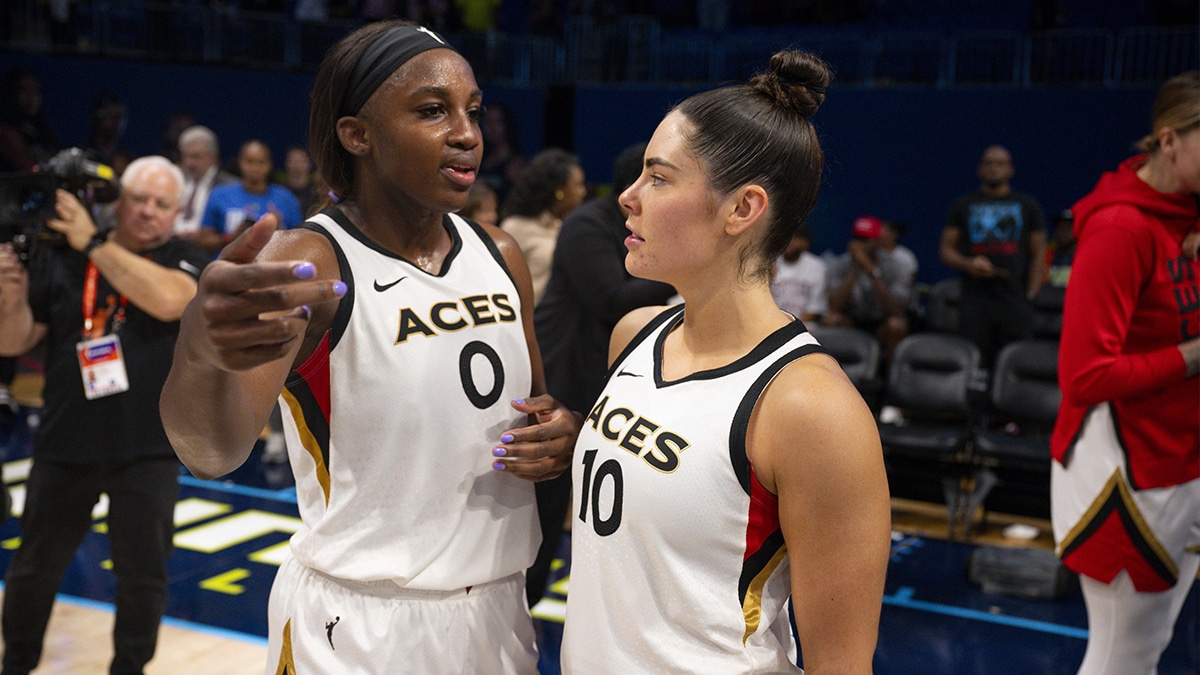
[{"x": 232, "y": 534}]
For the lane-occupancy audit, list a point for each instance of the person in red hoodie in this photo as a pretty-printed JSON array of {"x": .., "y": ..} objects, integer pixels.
[{"x": 1125, "y": 484}]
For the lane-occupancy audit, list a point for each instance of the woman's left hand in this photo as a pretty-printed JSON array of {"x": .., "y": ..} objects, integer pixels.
[
  {"x": 541, "y": 451},
  {"x": 1191, "y": 244}
]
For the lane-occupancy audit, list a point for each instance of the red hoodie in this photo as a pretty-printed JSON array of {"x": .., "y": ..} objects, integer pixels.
[{"x": 1132, "y": 298}]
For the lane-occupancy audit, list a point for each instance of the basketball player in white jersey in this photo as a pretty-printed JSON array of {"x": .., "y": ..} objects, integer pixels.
[
  {"x": 398, "y": 339},
  {"x": 728, "y": 463}
]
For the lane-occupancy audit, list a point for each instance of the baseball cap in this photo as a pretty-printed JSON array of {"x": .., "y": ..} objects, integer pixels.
[{"x": 867, "y": 227}]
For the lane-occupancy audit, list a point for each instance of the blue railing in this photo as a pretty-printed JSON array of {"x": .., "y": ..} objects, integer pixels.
[{"x": 632, "y": 49}]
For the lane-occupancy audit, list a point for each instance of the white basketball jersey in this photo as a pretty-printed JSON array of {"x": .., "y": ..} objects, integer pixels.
[
  {"x": 678, "y": 563},
  {"x": 390, "y": 424}
]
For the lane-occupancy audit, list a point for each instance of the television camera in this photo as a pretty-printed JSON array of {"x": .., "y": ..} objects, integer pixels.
[{"x": 27, "y": 197}]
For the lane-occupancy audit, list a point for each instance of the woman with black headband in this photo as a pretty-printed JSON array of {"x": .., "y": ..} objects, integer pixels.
[{"x": 398, "y": 338}]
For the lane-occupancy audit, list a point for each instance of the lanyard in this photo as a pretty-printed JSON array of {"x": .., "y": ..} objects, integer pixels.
[{"x": 90, "y": 283}]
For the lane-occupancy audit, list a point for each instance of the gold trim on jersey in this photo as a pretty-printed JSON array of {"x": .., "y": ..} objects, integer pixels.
[
  {"x": 309, "y": 442},
  {"x": 1117, "y": 483},
  {"x": 752, "y": 605},
  {"x": 287, "y": 664}
]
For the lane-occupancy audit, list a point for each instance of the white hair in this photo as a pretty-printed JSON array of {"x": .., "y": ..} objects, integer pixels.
[
  {"x": 199, "y": 134},
  {"x": 144, "y": 164}
]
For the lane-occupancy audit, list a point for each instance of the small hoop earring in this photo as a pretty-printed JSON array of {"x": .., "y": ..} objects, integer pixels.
[{"x": 558, "y": 194}]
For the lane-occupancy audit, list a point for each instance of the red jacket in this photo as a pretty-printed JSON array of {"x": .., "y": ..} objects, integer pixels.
[{"x": 1132, "y": 298}]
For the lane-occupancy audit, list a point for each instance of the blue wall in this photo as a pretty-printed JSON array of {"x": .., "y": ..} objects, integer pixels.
[
  {"x": 906, "y": 154},
  {"x": 898, "y": 154}
]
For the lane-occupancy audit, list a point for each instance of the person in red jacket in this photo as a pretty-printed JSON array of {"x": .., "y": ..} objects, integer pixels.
[{"x": 1125, "y": 484}]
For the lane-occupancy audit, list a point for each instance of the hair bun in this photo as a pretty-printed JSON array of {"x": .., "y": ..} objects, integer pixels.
[{"x": 796, "y": 81}]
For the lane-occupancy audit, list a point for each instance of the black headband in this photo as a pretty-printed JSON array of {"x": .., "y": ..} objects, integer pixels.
[{"x": 381, "y": 58}]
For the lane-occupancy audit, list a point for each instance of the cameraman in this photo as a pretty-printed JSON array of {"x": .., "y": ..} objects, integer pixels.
[{"x": 108, "y": 308}]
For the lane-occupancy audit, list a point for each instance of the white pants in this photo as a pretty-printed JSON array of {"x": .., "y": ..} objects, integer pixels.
[
  {"x": 321, "y": 625},
  {"x": 1128, "y": 630}
]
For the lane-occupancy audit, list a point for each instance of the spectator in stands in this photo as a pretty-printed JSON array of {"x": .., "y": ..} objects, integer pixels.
[
  {"x": 503, "y": 160},
  {"x": 234, "y": 207},
  {"x": 870, "y": 287},
  {"x": 26, "y": 138},
  {"x": 996, "y": 237},
  {"x": 106, "y": 435},
  {"x": 891, "y": 249},
  {"x": 109, "y": 117},
  {"x": 200, "y": 159},
  {"x": 481, "y": 205},
  {"x": 298, "y": 177},
  {"x": 799, "y": 282},
  {"x": 1125, "y": 483},
  {"x": 588, "y": 292},
  {"x": 549, "y": 188},
  {"x": 1060, "y": 252}
]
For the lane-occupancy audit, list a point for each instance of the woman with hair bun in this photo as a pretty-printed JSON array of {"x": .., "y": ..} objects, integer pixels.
[{"x": 729, "y": 463}]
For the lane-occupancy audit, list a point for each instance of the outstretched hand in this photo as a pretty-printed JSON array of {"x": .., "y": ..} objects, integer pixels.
[
  {"x": 247, "y": 313},
  {"x": 543, "y": 450}
]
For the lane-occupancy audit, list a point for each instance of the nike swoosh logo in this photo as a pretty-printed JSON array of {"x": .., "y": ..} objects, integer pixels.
[
  {"x": 626, "y": 373},
  {"x": 383, "y": 287}
]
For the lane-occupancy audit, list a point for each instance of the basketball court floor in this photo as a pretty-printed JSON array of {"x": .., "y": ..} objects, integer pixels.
[{"x": 233, "y": 532}]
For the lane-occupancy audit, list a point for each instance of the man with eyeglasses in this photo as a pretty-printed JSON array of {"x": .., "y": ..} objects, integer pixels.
[{"x": 108, "y": 308}]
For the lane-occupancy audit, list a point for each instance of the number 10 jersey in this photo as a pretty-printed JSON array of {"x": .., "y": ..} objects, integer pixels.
[{"x": 678, "y": 563}]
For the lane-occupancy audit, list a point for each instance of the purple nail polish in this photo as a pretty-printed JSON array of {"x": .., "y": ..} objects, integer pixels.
[
  {"x": 519, "y": 401},
  {"x": 499, "y": 466},
  {"x": 307, "y": 311},
  {"x": 506, "y": 438},
  {"x": 304, "y": 270},
  {"x": 339, "y": 288},
  {"x": 499, "y": 452}
]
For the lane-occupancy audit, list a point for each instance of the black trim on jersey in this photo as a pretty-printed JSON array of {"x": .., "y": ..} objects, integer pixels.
[
  {"x": 341, "y": 318},
  {"x": 769, "y": 344},
  {"x": 1112, "y": 411},
  {"x": 314, "y": 417},
  {"x": 650, "y": 327},
  {"x": 491, "y": 247},
  {"x": 757, "y": 562},
  {"x": 741, "y": 418},
  {"x": 456, "y": 245},
  {"x": 1116, "y": 503}
]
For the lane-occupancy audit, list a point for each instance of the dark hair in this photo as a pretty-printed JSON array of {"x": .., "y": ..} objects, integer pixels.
[
  {"x": 334, "y": 164},
  {"x": 627, "y": 167},
  {"x": 546, "y": 174},
  {"x": 759, "y": 133}
]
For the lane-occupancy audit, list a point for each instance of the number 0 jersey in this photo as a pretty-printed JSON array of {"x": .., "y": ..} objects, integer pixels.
[
  {"x": 678, "y": 563},
  {"x": 390, "y": 424}
]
